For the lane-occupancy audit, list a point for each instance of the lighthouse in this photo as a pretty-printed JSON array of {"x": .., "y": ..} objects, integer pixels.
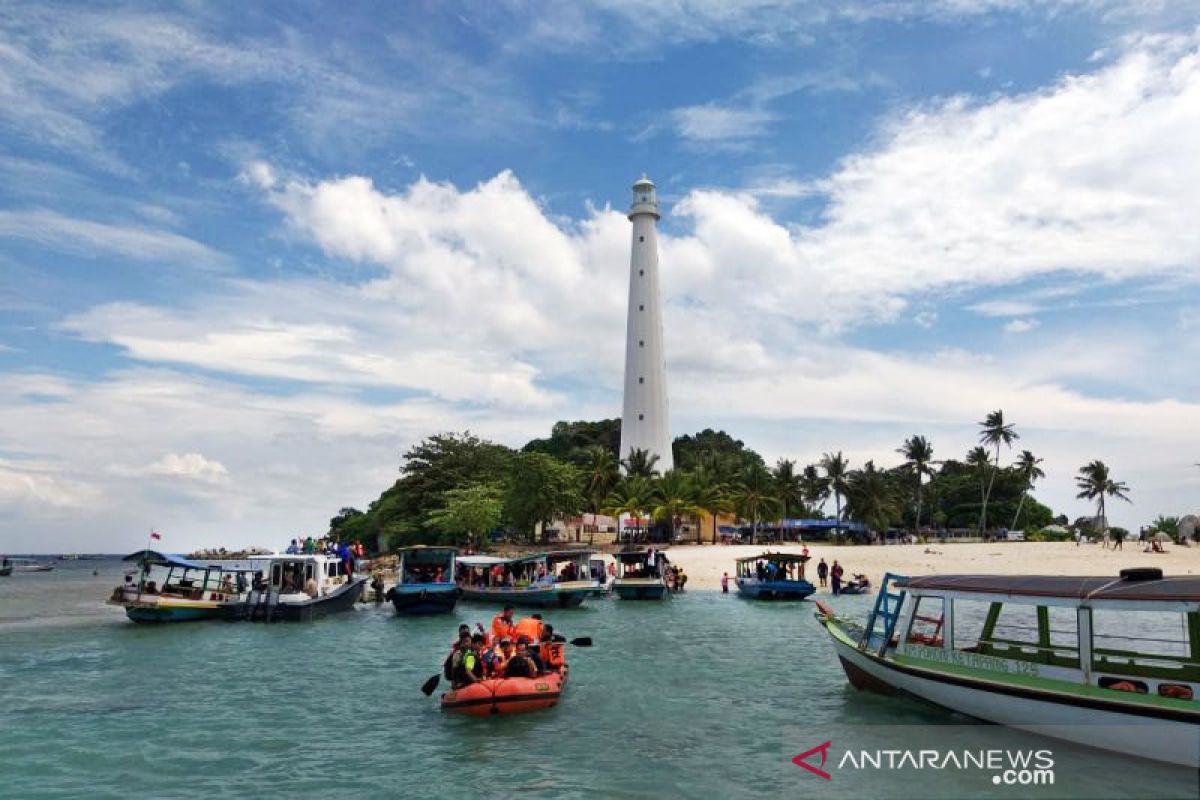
[{"x": 645, "y": 422}]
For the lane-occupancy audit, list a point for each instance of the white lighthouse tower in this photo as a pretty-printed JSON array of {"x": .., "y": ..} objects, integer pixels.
[{"x": 645, "y": 422}]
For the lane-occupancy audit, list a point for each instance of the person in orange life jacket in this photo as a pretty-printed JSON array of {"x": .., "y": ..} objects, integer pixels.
[
  {"x": 550, "y": 652},
  {"x": 530, "y": 626},
  {"x": 522, "y": 664},
  {"x": 496, "y": 658},
  {"x": 503, "y": 625}
]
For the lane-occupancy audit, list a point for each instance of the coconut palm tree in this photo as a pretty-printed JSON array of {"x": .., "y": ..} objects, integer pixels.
[
  {"x": 600, "y": 476},
  {"x": 710, "y": 496},
  {"x": 754, "y": 496},
  {"x": 673, "y": 497},
  {"x": 979, "y": 458},
  {"x": 918, "y": 455},
  {"x": 816, "y": 488},
  {"x": 836, "y": 466},
  {"x": 789, "y": 489},
  {"x": 994, "y": 431},
  {"x": 1095, "y": 483},
  {"x": 1027, "y": 467},
  {"x": 870, "y": 498},
  {"x": 640, "y": 462},
  {"x": 632, "y": 496}
]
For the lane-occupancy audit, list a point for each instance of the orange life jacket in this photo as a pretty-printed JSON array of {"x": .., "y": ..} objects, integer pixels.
[
  {"x": 530, "y": 627},
  {"x": 501, "y": 628},
  {"x": 552, "y": 654}
]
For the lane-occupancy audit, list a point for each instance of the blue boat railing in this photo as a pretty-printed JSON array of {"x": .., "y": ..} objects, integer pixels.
[{"x": 886, "y": 611}]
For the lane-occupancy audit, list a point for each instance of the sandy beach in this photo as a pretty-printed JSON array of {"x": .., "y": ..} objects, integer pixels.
[{"x": 705, "y": 563}]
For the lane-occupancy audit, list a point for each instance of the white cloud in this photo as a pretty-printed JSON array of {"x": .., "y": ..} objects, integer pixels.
[
  {"x": 1020, "y": 325},
  {"x": 42, "y": 489},
  {"x": 54, "y": 230},
  {"x": 191, "y": 466},
  {"x": 926, "y": 319},
  {"x": 714, "y": 123}
]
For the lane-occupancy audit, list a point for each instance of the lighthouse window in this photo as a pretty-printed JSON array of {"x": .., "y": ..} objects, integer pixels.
[
  {"x": 641, "y": 308},
  {"x": 641, "y": 380},
  {"x": 641, "y": 416},
  {"x": 641, "y": 238},
  {"x": 641, "y": 342}
]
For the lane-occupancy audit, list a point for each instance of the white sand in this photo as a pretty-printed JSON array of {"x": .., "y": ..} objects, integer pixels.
[{"x": 705, "y": 563}]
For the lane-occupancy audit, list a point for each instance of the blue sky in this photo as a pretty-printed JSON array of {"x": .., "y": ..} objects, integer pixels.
[{"x": 247, "y": 259}]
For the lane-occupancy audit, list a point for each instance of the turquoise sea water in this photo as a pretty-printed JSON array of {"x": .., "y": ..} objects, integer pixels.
[{"x": 701, "y": 696}]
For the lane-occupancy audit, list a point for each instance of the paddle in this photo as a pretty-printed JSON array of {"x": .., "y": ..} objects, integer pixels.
[
  {"x": 582, "y": 641},
  {"x": 430, "y": 685}
]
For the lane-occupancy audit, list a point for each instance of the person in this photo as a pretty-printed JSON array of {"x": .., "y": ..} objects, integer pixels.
[
  {"x": 151, "y": 587},
  {"x": 496, "y": 658},
  {"x": 530, "y": 627},
  {"x": 835, "y": 577},
  {"x": 522, "y": 664},
  {"x": 680, "y": 578},
  {"x": 311, "y": 589},
  {"x": 259, "y": 583},
  {"x": 292, "y": 548},
  {"x": 466, "y": 667},
  {"x": 309, "y": 545},
  {"x": 822, "y": 572},
  {"x": 241, "y": 583},
  {"x": 550, "y": 652},
  {"x": 612, "y": 569},
  {"x": 347, "y": 559},
  {"x": 227, "y": 583},
  {"x": 725, "y": 583},
  {"x": 503, "y": 625}
]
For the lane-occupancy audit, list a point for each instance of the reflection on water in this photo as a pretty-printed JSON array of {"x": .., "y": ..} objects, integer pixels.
[{"x": 702, "y": 696}]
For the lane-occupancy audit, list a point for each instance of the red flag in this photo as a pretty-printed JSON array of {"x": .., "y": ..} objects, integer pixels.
[{"x": 154, "y": 535}]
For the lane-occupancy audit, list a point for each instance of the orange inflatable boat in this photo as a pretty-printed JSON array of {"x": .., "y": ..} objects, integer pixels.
[{"x": 506, "y": 695}]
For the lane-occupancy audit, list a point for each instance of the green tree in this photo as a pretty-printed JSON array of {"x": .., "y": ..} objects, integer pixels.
[
  {"x": 1029, "y": 471},
  {"x": 1096, "y": 483},
  {"x": 994, "y": 431},
  {"x": 572, "y": 441},
  {"x": 816, "y": 489},
  {"x": 754, "y": 496},
  {"x": 871, "y": 498},
  {"x": 640, "y": 462},
  {"x": 600, "y": 476},
  {"x": 710, "y": 496},
  {"x": 634, "y": 496},
  {"x": 918, "y": 456},
  {"x": 789, "y": 488},
  {"x": 979, "y": 460},
  {"x": 541, "y": 488},
  {"x": 836, "y": 467},
  {"x": 1168, "y": 525},
  {"x": 673, "y": 497},
  {"x": 469, "y": 513},
  {"x": 726, "y": 457}
]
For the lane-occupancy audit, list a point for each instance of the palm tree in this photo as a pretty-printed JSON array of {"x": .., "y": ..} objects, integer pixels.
[
  {"x": 789, "y": 489},
  {"x": 710, "y": 496},
  {"x": 754, "y": 496},
  {"x": 835, "y": 467},
  {"x": 816, "y": 488},
  {"x": 979, "y": 458},
  {"x": 673, "y": 497},
  {"x": 870, "y": 499},
  {"x": 600, "y": 476},
  {"x": 994, "y": 431},
  {"x": 918, "y": 455},
  {"x": 632, "y": 496},
  {"x": 1027, "y": 467},
  {"x": 1095, "y": 483},
  {"x": 640, "y": 462}
]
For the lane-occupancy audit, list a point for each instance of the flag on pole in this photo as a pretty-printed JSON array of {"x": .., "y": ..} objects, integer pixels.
[{"x": 155, "y": 535}]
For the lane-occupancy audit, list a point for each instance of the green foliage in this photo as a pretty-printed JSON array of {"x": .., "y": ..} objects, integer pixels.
[
  {"x": 1096, "y": 483},
  {"x": 469, "y": 513},
  {"x": 640, "y": 462},
  {"x": 674, "y": 497},
  {"x": 789, "y": 487},
  {"x": 1168, "y": 525},
  {"x": 754, "y": 495},
  {"x": 600, "y": 473},
  {"x": 1118, "y": 534},
  {"x": 540, "y": 488},
  {"x": 350, "y": 524},
  {"x": 572, "y": 441},
  {"x": 1044, "y": 535},
  {"x": 716, "y": 451},
  {"x": 873, "y": 498},
  {"x": 633, "y": 495}
]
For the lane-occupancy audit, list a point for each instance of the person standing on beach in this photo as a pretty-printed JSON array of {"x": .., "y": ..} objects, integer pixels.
[
  {"x": 822, "y": 572},
  {"x": 835, "y": 577},
  {"x": 725, "y": 583}
]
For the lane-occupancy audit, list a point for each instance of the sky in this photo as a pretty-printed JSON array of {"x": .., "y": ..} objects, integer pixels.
[{"x": 250, "y": 254}]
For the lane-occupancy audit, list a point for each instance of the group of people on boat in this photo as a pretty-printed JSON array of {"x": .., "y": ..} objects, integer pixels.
[
  {"x": 511, "y": 648},
  {"x": 349, "y": 553}
]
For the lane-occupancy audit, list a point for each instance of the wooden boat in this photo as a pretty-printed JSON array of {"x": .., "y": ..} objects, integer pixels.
[
  {"x": 27, "y": 565},
  {"x": 766, "y": 577},
  {"x": 189, "y": 592},
  {"x": 6, "y": 568},
  {"x": 426, "y": 581},
  {"x": 637, "y": 579},
  {"x": 1112, "y": 663},
  {"x": 299, "y": 588},
  {"x": 506, "y": 695},
  {"x": 562, "y": 578}
]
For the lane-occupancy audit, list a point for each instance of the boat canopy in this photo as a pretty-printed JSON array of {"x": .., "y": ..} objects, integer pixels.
[
  {"x": 1184, "y": 588},
  {"x": 635, "y": 556},
  {"x": 424, "y": 555},
  {"x": 554, "y": 556},
  {"x": 164, "y": 560},
  {"x": 778, "y": 558},
  {"x": 481, "y": 561}
]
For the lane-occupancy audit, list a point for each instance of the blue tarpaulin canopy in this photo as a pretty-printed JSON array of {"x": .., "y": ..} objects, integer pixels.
[{"x": 162, "y": 559}]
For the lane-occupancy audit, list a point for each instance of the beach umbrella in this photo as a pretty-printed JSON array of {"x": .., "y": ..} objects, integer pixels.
[
  {"x": 1160, "y": 536},
  {"x": 1055, "y": 529}
]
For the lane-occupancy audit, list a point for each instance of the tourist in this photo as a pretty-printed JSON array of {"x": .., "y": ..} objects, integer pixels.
[
  {"x": 227, "y": 583},
  {"x": 377, "y": 586},
  {"x": 530, "y": 627},
  {"x": 498, "y": 656},
  {"x": 835, "y": 577},
  {"x": 503, "y": 625},
  {"x": 309, "y": 545},
  {"x": 293, "y": 548},
  {"x": 725, "y": 583},
  {"x": 467, "y": 666},
  {"x": 822, "y": 572},
  {"x": 680, "y": 579},
  {"x": 550, "y": 651},
  {"x": 521, "y": 665}
]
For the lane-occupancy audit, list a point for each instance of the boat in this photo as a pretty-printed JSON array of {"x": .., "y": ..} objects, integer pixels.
[
  {"x": 860, "y": 585},
  {"x": 561, "y": 578},
  {"x": 637, "y": 579},
  {"x": 26, "y": 565},
  {"x": 766, "y": 577},
  {"x": 1111, "y": 663},
  {"x": 425, "y": 583},
  {"x": 506, "y": 695},
  {"x": 300, "y": 587},
  {"x": 189, "y": 592}
]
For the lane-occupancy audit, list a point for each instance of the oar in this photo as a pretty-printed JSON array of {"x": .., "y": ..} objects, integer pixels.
[
  {"x": 430, "y": 685},
  {"x": 582, "y": 641}
]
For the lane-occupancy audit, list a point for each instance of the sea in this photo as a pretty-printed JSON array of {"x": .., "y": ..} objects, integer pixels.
[{"x": 704, "y": 695}]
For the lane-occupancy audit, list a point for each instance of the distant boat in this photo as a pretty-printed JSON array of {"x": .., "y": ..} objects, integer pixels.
[
  {"x": 25, "y": 565},
  {"x": 299, "y": 588},
  {"x": 1112, "y": 663},
  {"x": 561, "y": 578},
  {"x": 425, "y": 582},
  {"x": 637, "y": 579},
  {"x": 188, "y": 593},
  {"x": 767, "y": 577}
]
